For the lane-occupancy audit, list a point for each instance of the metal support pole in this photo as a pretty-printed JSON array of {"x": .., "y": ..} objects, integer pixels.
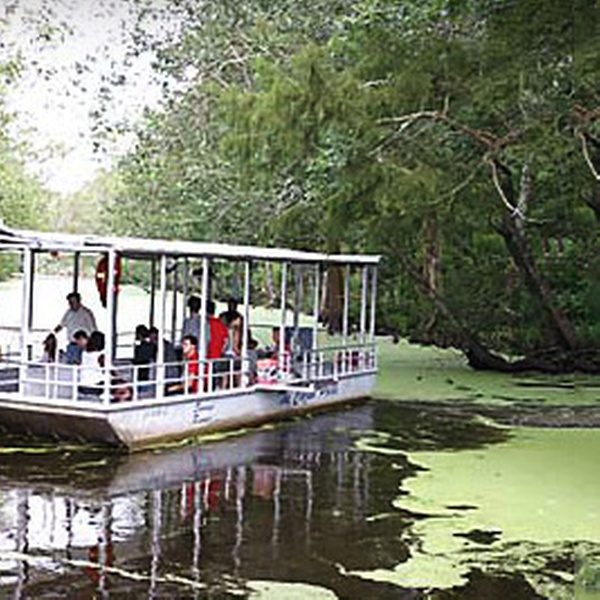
[
  {"x": 76, "y": 270},
  {"x": 373, "y": 301},
  {"x": 246, "y": 331},
  {"x": 109, "y": 348},
  {"x": 31, "y": 290},
  {"x": 174, "y": 306},
  {"x": 162, "y": 307},
  {"x": 363, "y": 315},
  {"x": 152, "y": 291},
  {"x": 346, "y": 304},
  {"x": 25, "y": 312},
  {"x": 184, "y": 295},
  {"x": 373, "y": 353},
  {"x": 203, "y": 310},
  {"x": 363, "y": 304},
  {"x": 298, "y": 295},
  {"x": 316, "y": 304},
  {"x": 281, "y": 361}
]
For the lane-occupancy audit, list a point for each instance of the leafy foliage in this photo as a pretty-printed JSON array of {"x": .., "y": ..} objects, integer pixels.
[
  {"x": 448, "y": 136},
  {"x": 21, "y": 196},
  {"x": 22, "y": 199}
]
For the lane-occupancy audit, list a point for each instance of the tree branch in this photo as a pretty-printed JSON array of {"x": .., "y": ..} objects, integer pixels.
[
  {"x": 586, "y": 155},
  {"x": 484, "y": 137},
  {"x": 514, "y": 210}
]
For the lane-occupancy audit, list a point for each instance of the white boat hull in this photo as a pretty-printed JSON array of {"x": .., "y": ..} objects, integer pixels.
[{"x": 147, "y": 422}]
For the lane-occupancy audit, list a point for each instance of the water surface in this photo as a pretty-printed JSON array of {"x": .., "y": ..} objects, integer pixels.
[{"x": 321, "y": 507}]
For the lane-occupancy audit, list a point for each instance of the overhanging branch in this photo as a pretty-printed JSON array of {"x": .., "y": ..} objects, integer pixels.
[
  {"x": 587, "y": 157},
  {"x": 514, "y": 210}
]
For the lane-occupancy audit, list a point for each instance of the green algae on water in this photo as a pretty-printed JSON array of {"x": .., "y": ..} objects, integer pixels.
[
  {"x": 535, "y": 495},
  {"x": 540, "y": 485},
  {"x": 275, "y": 590},
  {"x": 426, "y": 373}
]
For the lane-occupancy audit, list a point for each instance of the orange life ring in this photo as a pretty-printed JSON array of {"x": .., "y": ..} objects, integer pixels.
[{"x": 102, "y": 277}]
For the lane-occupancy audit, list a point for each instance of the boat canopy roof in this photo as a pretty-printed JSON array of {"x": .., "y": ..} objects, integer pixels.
[{"x": 141, "y": 247}]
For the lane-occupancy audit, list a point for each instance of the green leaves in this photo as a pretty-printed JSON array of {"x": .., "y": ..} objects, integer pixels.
[{"x": 373, "y": 125}]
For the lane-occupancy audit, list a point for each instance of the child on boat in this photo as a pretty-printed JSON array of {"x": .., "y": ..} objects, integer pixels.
[{"x": 191, "y": 370}]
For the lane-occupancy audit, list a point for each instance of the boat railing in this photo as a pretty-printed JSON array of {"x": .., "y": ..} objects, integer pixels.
[
  {"x": 343, "y": 360},
  {"x": 125, "y": 381},
  {"x": 330, "y": 362}
]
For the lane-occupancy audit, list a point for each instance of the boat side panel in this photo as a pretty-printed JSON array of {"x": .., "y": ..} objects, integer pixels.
[
  {"x": 143, "y": 425},
  {"x": 51, "y": 424}
]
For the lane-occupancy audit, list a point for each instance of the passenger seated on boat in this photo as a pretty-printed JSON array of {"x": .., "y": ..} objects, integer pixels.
[
  {"x": 272, "y": 351},
  {"x": 172, "y": 368},
  {"x": 120, "y": 390},
  {"x": 91, "y": 373},
  {"x": 77, "y": 317},
  {"x": 144, "y": 352},
  {"x": 81, "y": 339},
  {"x": 191, "y": 368},
  {"x": 49, "y": 355}
]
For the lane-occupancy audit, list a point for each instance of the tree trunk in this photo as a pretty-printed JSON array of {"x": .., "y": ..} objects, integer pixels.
[
  {"x": 431, "y": 263},
  {"x": 519, "y": 249},
  {"x": 323, "y": 296},
  {"x": 591, "y": 153},
  {"x": 553, "y": 361},
  {"x": 431, "y": 243},
  {"x": 334, "y": 304},
  {"x": 593, "y": 201},
  {"x": 269, "y": 286},
  {"x": 512, "y": 229},
  {"x": 477, "y": 354}
]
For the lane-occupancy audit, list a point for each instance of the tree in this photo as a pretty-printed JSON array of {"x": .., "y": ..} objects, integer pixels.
[
  {"x": 485, "y": 114},
  {"x": 21, "y": 196},
  {"x": 22, "y": 199},
  {"x": 458, "y": 139}
]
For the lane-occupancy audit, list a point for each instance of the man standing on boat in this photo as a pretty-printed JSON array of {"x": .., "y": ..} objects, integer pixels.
[
  {"x": 191, "y": 324},
  {"x": 231, "y": 314},
  {"x": 217, "y": 341},
  {"x": 77, "y": 318}
]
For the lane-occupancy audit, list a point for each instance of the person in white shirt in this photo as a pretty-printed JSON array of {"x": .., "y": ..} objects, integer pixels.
[
  {"x": 91, "y": 373},
  {"x": 77, "y": 318}
]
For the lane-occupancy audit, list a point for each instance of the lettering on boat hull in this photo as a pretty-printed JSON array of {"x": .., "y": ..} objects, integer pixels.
[
  {"x": 302, "y": 398},
  {"x": 203, "y": 412}
]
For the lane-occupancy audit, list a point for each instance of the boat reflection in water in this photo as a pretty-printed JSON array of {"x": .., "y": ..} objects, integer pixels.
[{"x": 282, "y": 504}]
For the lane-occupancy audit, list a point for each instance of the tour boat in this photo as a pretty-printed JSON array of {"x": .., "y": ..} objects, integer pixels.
[
  {"x": 180, "y": 509},
  {"x": 309, "y": 369}
]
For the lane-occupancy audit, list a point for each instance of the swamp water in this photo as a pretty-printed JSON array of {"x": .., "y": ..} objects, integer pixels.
[
  {"x": 383, "y": 500},
  {"x": 433, "y": 491}
]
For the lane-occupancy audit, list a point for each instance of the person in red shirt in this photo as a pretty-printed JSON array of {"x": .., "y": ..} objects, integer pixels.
[
  {"x": 189, "y": 347},
  {"x": 217, "y": 342},
  {"x": 218, "y": 333}
]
